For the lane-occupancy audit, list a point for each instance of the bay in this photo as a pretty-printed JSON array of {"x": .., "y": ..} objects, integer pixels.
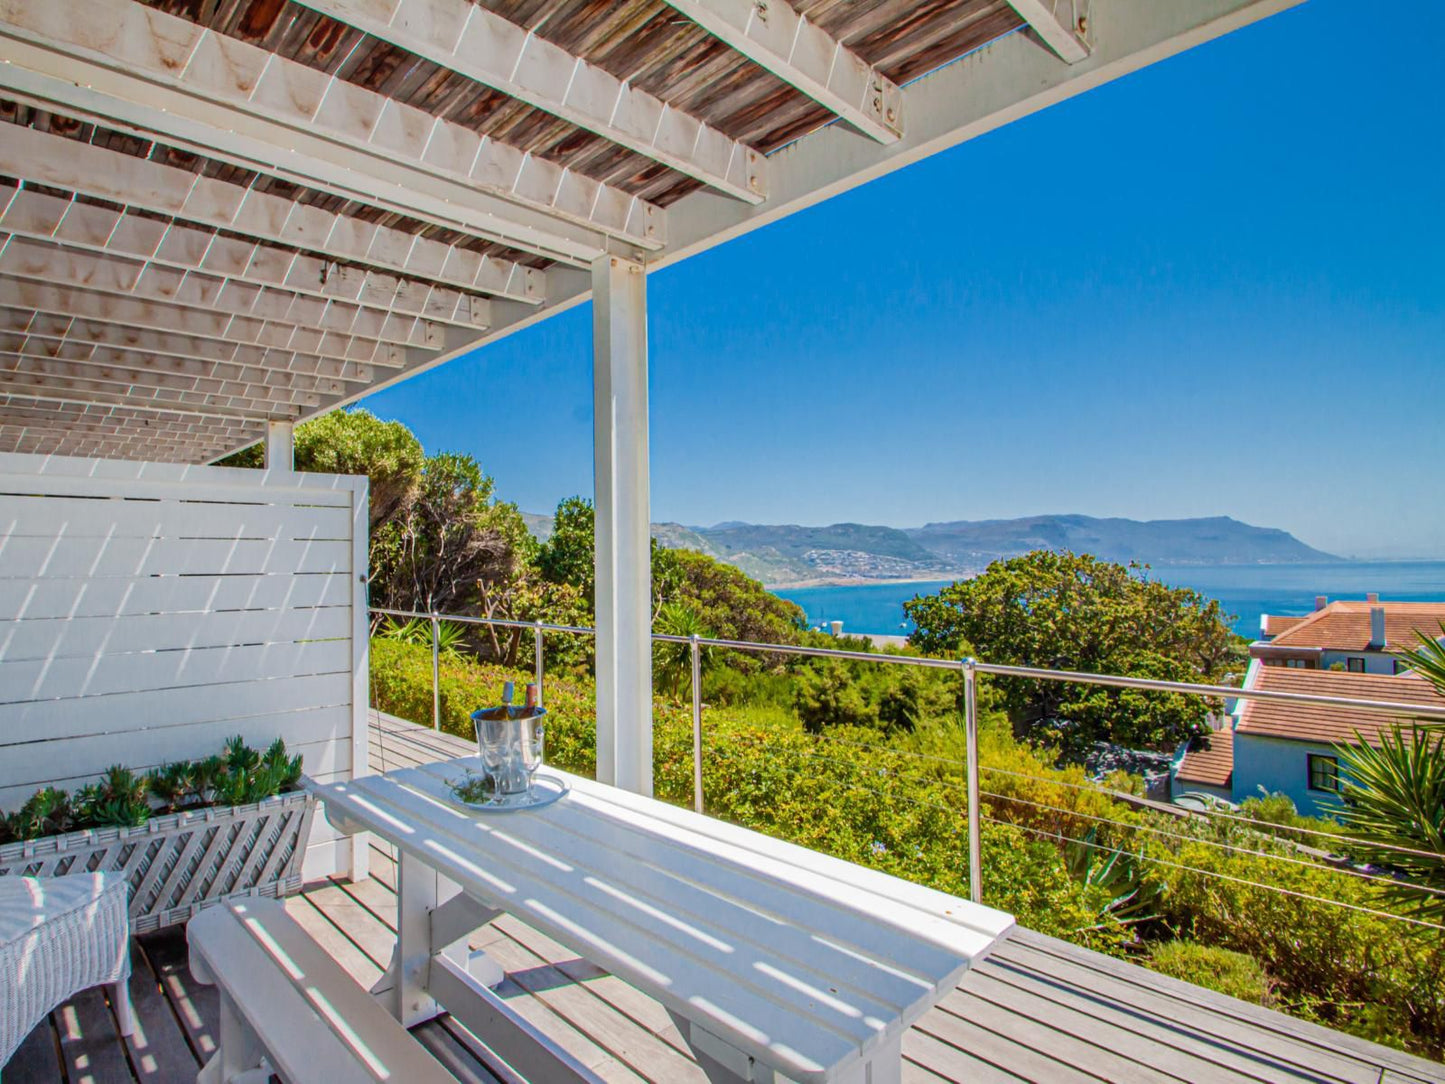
[{"x": 1244, "y": 591}]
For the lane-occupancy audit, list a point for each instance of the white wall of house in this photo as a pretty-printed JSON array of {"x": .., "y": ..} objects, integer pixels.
[
  {"x": 1280, "y": 766},
  {"x": 1374, "y": 662},
  {"x": 149, "y": 611}
]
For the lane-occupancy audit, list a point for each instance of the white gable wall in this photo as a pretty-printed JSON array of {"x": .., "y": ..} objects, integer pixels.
[{"x": 149, "y": 611}]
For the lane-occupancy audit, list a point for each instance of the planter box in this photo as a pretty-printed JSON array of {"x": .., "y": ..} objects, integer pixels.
[{"x": 178, "y": 863}]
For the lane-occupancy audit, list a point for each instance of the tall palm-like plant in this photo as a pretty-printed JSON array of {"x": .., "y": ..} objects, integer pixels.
[
  {"x": 1393, "y": 795},
  {"x": 673, "y": 661}
]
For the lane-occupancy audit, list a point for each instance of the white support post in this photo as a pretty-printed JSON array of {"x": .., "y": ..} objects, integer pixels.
[
  {"x": 623, "y": 538},
  {"x": 280, "y": 446}
]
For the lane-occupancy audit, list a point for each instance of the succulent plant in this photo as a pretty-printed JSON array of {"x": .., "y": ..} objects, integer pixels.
[{"x": 239, "y": 775}]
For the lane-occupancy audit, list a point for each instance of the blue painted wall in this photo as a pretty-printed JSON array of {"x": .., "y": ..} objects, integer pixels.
[{"x": 1280, "y": 767}]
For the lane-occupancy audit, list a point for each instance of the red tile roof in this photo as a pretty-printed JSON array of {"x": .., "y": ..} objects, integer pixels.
[
  {"x": 1324, "y": 722},
  {"x": 1345, "y": 626},
  {"x": 1274, "y": 624},
  {"x": 1210, "y": 760}
]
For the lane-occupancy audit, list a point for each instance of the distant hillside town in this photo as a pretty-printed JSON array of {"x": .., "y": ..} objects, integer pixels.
[{"x": 788, "y": 555}]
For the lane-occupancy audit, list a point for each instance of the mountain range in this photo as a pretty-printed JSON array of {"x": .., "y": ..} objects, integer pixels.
[{"x": 784, "y": 555}]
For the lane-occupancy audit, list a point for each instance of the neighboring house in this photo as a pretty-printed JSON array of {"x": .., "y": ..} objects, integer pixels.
[
  {"x": 1359, "y": 637},
  {"x": 1280, "y": 747},
  {"x": 1206, "y": 766}
]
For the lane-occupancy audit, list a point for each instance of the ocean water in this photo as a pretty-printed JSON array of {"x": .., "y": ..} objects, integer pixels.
[{"x": 1246, "y": 591}]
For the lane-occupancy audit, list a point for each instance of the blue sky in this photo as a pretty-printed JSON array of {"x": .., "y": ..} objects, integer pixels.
[{"x": 1215, "y": 287}]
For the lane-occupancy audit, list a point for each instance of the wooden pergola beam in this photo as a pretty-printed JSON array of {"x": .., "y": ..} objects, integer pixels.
[
  {"x": 138, "y": 183},
  {"x": 21, "y": 324},
  {"x": 105, "y": 231},
  {"x": 1058, "y": 23},
  {"x": 127, "y": 65},
  {"x": 805, "y": 56},
  {"x": 284, "y": 318},
  {"x": 466, "y": 38},
  {"x": 22, "y": 301}
]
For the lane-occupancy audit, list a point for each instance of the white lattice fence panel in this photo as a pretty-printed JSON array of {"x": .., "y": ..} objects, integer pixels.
[
  {"x": 178, "y": 863},
  {"x": 150, "y": 611}
]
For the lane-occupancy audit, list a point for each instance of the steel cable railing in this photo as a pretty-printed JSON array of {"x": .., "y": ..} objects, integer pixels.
[
  {"x": 1163, "y": 833},
  {"x": 969, "y": 669}
]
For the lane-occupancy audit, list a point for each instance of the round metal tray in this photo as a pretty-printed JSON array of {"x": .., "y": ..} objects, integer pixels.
[{"x": 545, "y": 790}]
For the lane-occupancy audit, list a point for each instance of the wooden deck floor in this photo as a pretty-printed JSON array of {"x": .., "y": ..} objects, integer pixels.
[{"x": 1038, "y": 1010}]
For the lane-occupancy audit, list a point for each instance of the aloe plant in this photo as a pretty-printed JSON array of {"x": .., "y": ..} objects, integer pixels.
[
  {"x": 47, "y": 812},
  {"x": 451, "y": 637},
  {"x": 1116, "y": 874},
  {"x": 173, "y": 785}
]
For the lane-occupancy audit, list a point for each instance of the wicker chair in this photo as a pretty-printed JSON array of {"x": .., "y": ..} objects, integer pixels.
[{"x": 58, "y": 936}]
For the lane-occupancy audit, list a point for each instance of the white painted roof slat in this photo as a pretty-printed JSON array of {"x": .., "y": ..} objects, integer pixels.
[{"x": 781, "y": 951}]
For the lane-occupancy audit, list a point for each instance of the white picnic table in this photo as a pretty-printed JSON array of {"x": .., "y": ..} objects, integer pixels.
[{"x": 774, "y": 961}]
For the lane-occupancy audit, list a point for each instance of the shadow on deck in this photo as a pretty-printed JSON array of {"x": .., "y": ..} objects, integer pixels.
[{"x": 1038, "y": 1009}]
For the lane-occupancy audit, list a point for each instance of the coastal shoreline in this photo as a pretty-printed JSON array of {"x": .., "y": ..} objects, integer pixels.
[{"x": 860, "y": 581}]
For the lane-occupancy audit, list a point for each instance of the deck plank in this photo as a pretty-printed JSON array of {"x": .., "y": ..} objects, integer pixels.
[
  {"x": 924, "y": 1058},
  {"x": 640, "y": 1048},
  {"x": 37, "y": 1057},
  {"x": 197, "y": 1007},
  {"x": 159, "y": 1050},
  {"x": 628, "y": 1000},
  {"x": 1000, "y": 1051},
  {"x": 91, "y": 1049},
  {"x": 1220, "y": 1042},
  {"x": 364, "y": 971},
  {"x": 1100, "y": 1049},
  {"x": 1321, "y": 1048}
]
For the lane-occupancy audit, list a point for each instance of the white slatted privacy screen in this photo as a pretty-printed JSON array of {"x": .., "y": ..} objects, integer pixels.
[{"x": 149, "y": 611}]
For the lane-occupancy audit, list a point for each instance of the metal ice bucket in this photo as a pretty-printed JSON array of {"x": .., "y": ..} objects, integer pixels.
[{"x": 510, "y": 743}]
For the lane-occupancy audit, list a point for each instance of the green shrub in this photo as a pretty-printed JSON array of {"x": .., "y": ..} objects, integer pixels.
[
  {"x": 1226, "y": 972},
  {"x": 896, "y": 804}
]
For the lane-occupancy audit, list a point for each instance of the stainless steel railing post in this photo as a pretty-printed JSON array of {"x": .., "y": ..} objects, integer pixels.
[
  {"x": 537, "y": 659},
  {"x": 975, "y": 827},
  {"x": 696, "y": 645},
  {"x": 436, "y": 675}
]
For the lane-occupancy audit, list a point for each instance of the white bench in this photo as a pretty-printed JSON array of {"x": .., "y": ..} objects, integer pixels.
[{"x": 289, "y": 1007}]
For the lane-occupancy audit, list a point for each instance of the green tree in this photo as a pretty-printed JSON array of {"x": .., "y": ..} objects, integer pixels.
[
  {"x": 444, "y": 545},
  {"x": 355, "y": 442},
  {"x": 726, "y": 599},
  {"x": 567, "y": 555},
  {"x": 1064, "y": 611}
]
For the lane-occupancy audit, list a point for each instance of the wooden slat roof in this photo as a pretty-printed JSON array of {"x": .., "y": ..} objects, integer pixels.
[{"x": 305, "y": 141}]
